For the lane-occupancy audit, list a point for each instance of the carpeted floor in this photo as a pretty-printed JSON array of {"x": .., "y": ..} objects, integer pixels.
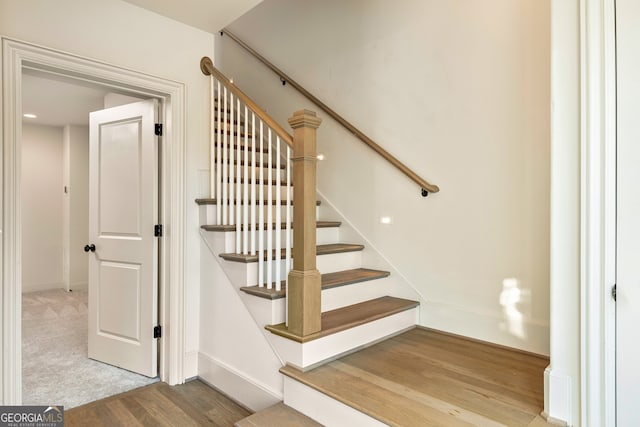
[{"x": 55, "y": 366}]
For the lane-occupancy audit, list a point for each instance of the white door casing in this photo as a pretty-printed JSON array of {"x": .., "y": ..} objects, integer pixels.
[
  {"x": 628, "y": 242},
  {"x": 123, "y": 210},
  {"x": 17, "y": 55}
]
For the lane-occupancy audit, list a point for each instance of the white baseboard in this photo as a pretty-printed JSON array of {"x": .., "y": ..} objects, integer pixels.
[
  {"x": 557, "y": 398},
  {"x": 190, "y": 368},
  {"x": 239, "y": 387},
  {"x": 79, "y": 286},
  {"x": 523, "y": 334},
  {"x": 35, "y": 287}
]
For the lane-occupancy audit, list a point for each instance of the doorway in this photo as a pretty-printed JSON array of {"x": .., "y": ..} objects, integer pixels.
[
  {"x": 55, "y": 275},
  {"x": 18, "y": 56}
]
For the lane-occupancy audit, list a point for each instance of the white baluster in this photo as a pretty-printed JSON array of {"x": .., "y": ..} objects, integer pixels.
[
  {"x": 212, "y": 140},
  {"x": 222, "y": 204},
  {"x": 245, "y": 186},
  {"x": 232, "y": 194},
  {"x": 261, "y": 205},
  {"x": 278, "y": 218},
  {"x": 253, "y": 184},
  {"x": 219, "y": 160},
  {"x": 239, "y": 200},
  {"x": 270, "y": 208}
]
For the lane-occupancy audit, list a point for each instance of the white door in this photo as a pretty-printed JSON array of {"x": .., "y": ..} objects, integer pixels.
[
  {"x": 123, "y": 209},
  {"x": 628, "y": 233}
]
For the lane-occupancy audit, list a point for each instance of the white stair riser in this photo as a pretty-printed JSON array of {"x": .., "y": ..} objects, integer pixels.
[
  {"x": 225, "y": 241},
  {"x": 355, "y": 293},
  {"x": 324, "y": 409},
  {"x": 209, "y": 217},
  {"x": 327, "y": 348},
  {"x": 246, "y": 274},
  {"x": 331, "y": 263},
  {"x": 265, "y": 311}
]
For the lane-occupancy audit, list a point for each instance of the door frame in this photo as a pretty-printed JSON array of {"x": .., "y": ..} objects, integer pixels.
[{"x": 17, "y": 55}]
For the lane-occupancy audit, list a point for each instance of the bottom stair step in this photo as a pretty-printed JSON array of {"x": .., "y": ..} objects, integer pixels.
[
  {"x": 279, "y": 415},
  {"x": 343, "y": 318}
]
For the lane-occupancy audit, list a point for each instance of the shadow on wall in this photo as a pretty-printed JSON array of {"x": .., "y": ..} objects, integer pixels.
[{"x": 512, "y": 298}]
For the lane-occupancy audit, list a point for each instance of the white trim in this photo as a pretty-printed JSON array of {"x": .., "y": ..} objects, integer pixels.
[
  {"x": 598, "y": 211},
  {"x": 245, "y": 390},
  {"x": 17, "y": 55},
  {"x": 560, "y": 405}
]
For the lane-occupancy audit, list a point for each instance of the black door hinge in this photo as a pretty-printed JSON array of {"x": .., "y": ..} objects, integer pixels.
[
  {"x": 157, "y": 331},
  {"x": 158, "y": 129},
  {"x": 157, "y": 230},
  {"x": 614, "y": 292}
]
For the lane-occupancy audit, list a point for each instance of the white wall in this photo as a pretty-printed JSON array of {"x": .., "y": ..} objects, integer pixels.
[
  {"x": 41, "y": 207},
  {"x": 234, "y": 354},
  {"x": 459, "y": 91},
  {"x": 76, "y": 142},
  {"x": 119, "y": 33}
]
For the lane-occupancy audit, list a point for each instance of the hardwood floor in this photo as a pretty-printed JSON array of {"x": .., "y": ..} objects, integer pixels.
[
  {"x": 426, "y": 378},
  {"x": 190, "y": 404}
]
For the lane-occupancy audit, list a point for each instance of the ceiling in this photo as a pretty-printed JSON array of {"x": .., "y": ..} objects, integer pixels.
[
  {"x": 59, "y": 101},
  {"x": 207, "y": 15}
]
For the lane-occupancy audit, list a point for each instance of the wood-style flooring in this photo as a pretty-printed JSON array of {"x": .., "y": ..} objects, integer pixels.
[
  {"x": 426, "y": 378},
  {"x": 186, "y": 405}
]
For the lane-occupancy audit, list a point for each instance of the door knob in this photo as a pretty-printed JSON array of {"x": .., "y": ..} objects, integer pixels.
[{"x": 90, "y": 247}]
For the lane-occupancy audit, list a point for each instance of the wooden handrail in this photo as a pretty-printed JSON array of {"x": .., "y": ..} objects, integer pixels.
[
  {"x": 206, "y": 65},
  {"x": 424, "y": 185}
]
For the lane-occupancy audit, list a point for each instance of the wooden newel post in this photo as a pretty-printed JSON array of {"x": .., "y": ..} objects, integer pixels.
[{"x": 304, "y": 285}]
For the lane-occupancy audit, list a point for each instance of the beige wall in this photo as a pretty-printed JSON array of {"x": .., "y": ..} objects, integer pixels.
[
  {"x": 42, "y": 199},
  {"x": 459, "y": 91},
  {"x": 76, "y": 143}
]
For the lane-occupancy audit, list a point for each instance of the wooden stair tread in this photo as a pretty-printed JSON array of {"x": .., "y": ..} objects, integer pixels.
[
  {"x": 333, "y": 248},
  {"x": 206, "y": 201},
  {"x": 319, "y": 224},
  {"x": 425, "y": 377},
  {"x": 279, "y": 415},
  {"x": 348, "y": 317},
  {"x": 329, "y": 280}
]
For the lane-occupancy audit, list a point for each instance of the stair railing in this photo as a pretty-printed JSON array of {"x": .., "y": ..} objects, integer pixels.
[
  {"x": 246, "y": 145},
  {"x": 425, "y": 186}
]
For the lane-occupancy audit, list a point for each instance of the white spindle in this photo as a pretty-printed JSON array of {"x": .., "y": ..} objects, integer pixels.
[
  {"x": 278, "y": 253},
  {"x": 222, "y": 204},
  {"x": 218, "y": 172},
  {"x": 212, "y": 140},
  {"x": 253, "y": 184},
  {"x": 270, "y": 208},
  {"x": 232, "y": 184},
  {"x": 245, "y": 186},
  {"x": 261, "y": 207},
  {"x": 234, "y": 177},
  {"x": 239, "y": 200},
  {"x": 288, "y": 219}
]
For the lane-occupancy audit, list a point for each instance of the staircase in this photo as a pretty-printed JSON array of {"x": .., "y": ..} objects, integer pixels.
[{"x": 261, "y": 210}]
